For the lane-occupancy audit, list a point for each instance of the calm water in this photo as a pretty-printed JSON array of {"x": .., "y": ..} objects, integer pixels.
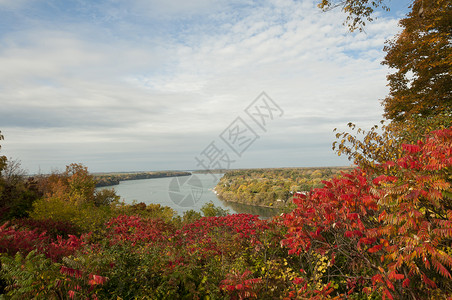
[{"x": 181, "y": 194}]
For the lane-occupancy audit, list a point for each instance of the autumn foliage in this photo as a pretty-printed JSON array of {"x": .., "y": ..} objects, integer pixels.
[
  {"x": 382, "y": 232},
  {"x": 386, "y": 235},
  {"x": 422, "y": 60}
]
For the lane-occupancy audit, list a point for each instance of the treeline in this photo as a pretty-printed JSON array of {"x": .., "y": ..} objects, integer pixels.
[
  {"x": 114, "y": 179},
  {"x": 272, "y": 187},
  {"x": 208, "y": 171}
]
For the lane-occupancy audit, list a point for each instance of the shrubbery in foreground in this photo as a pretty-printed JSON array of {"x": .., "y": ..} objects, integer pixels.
[{"x": 364, "y": 235}]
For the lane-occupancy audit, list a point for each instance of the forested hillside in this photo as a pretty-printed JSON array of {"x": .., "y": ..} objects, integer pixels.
[{"x": 271, "y": 187}]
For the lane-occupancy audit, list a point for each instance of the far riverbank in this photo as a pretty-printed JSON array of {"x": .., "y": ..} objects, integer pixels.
[{"x": 112, "y": 179}]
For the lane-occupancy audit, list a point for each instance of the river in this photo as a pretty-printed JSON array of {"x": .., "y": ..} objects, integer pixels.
[{"x": 182, "y": 193}]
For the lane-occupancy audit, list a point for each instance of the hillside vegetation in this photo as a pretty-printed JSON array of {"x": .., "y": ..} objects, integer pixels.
[
  {"x": 381, "y": 232},
  {"x": 272, "y": 187}
]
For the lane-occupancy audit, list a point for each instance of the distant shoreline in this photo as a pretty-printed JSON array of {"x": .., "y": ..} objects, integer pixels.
[
  {"x": 105, "y": 180},
  {"x": 255, "y": 205}
]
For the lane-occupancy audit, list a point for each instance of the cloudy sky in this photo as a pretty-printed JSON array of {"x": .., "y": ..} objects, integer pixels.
[{"x": 149, "y": 84}]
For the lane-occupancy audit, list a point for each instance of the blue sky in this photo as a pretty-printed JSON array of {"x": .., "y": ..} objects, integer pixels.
[{"x": 148, "y": 85}]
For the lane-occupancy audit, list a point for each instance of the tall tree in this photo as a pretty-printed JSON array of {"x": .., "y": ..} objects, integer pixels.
[{"x": 422, "y": 58}]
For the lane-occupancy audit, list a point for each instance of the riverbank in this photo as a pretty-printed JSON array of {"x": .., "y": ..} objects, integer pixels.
[
  {"x": 262, "y": 212},
  {"x": 248, "y": 204}
]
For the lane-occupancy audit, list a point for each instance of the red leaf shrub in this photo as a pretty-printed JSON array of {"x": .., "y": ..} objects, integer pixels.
[
  {"x": 134, "y": 229},
  {"x": 13, "y": 240},
  {"x": 394, "y": 227}
]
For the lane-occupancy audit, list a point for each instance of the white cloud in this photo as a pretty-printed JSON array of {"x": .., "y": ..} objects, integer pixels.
[
  {"x": 112, "y": 94},
  {"x": 14, "y": 4}
]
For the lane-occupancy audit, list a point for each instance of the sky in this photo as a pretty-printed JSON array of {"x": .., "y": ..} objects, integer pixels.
[{"x": 145, "y": 85}]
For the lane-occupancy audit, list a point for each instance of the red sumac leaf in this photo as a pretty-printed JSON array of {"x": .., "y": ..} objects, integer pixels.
[
  {"x": 395, "y": 276},
  {"x": 375, "y": 248},
  {"x": 388, "y": 294}
]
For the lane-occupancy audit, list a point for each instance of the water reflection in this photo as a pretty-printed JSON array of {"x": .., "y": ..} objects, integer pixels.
[{"x": 263, "y": 212}]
